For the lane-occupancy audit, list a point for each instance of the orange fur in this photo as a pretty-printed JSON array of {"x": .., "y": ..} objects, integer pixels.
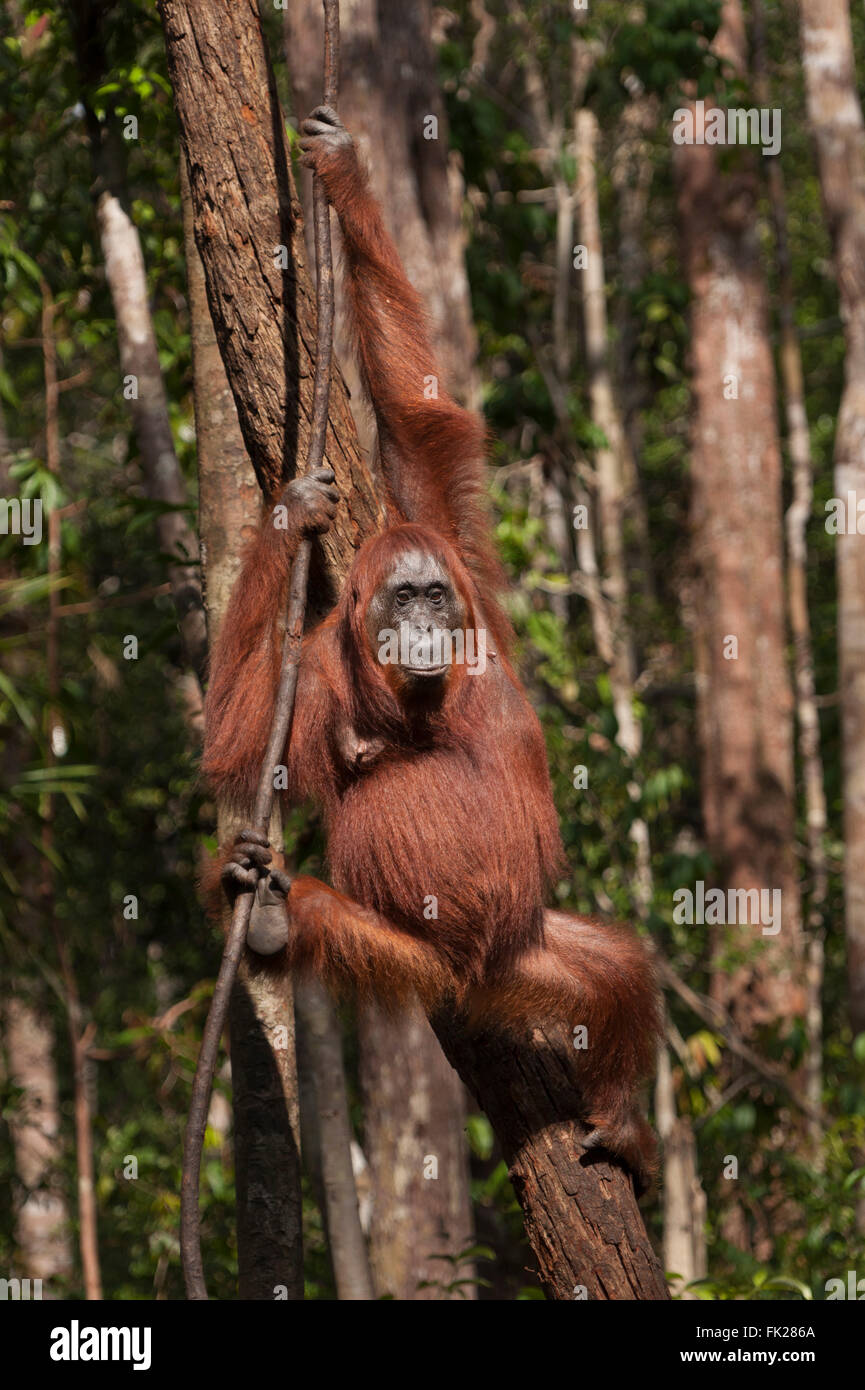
[{"x": 443, "y": 850}]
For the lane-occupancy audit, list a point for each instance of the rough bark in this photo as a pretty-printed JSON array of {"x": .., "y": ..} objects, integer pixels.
[
  {"x": 835, "y": 115},
  {"x": 229, "y": 500},
  {"x": 581, "y": 1216},
  {"x": 269, "y": 1214},
  {"x": 247, "y": 225},
  {"x": 744, "y": 701},
  {"x": 583, "y": 1220},
  {"x": 414, "y": 1104}
]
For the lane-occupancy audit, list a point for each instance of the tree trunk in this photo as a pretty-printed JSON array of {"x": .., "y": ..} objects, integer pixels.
[
  {"x": 42, "y": 1216},
  {"x": 744, "y": 702},
  {"x": 835, "y": 115},
  {"x": 798, "y": 516},
  {"x": 323, "y": 1040},
  {"x": 685, "y": 1257},
  {"x": 88, "y": 1242},
  {"x": 249, "y": 234},
  {"x": 42, "y": 1229},
  {"x": 631, "y": 173},
  {"x": 414, "y": 1141},
  {"x": 684, "y": 1201},
  {"x": 414, "y": 1103},
  {"x": 613, "y": 465},
  {"x": 582, "y": 1220},
  {"x": 263, "y": 1070},
  {"x": 581, "y": 1217}
]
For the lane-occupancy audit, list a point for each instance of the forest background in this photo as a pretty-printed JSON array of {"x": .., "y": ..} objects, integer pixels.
[{"x": 668, "y": 344}]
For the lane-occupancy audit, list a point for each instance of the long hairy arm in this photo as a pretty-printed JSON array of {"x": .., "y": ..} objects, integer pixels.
[
  {"x": 432, "y": 450},
  {"x": 245, "y": 666}
]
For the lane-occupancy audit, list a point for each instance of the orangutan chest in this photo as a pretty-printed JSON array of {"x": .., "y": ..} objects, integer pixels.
[{"x": 432, "y": 840}]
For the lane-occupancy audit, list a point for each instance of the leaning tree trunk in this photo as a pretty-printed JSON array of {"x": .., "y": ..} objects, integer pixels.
[
  {"x": 414, "y": 1103},
  {"x": 839, "y": 132},
  {"x": 583, "y": 1220}
]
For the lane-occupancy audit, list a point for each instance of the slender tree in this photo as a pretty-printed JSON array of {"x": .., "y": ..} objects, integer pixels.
[
  {"x": 79, "y": 1036},
  {"x": 323, "y": 1041},
  {"x": 797, "y": 518},
  {"x": 41, "y": 1222},
  {"x": 835, "y": 115},
  {"x": 743, "y": 691}
]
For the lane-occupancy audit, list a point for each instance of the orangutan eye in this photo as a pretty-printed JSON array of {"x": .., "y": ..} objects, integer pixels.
[
  {"x": 436, "y": 594},
  {"x": 403, "y": 595}
]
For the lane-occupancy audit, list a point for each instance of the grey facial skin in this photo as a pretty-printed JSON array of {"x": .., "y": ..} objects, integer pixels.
[{"x": 419, "y": 592}]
